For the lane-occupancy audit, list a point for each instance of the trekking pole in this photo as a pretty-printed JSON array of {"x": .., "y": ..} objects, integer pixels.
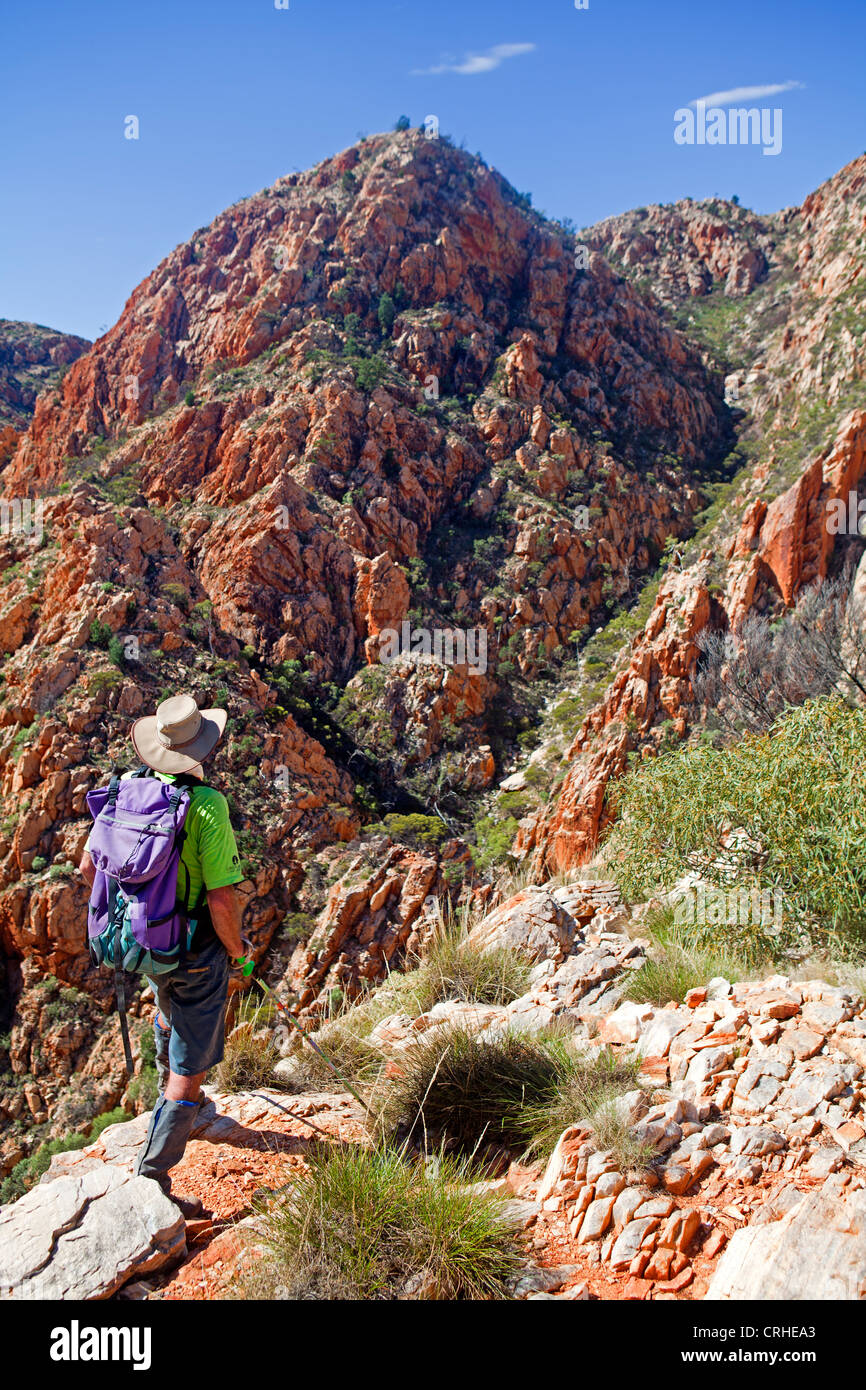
[{"x": 266, "y": 989}]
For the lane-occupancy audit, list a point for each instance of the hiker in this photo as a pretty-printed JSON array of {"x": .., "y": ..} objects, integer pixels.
[{"x": 192, "y": 991}]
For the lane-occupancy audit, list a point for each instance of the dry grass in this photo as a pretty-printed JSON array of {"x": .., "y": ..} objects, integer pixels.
[
  {"x": 518, "y": 1091},
  {"x": 678, "y": 963},
  {"x": 251, "y": 1051}
]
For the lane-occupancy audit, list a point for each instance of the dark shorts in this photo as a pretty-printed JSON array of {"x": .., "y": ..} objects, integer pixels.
[{"x": 192, "y": 999}]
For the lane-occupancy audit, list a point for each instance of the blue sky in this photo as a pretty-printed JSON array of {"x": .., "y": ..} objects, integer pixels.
[{"x": 574, "y": 106}]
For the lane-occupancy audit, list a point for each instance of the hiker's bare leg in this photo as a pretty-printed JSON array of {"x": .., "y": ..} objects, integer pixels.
[{"x": 184, "y": 1087}]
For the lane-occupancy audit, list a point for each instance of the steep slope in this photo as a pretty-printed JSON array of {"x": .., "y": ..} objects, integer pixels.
[
  {"x": 791, "y": 341},
  {"x": 32, "y": 359},
  {"x": 380, "y": 391}
]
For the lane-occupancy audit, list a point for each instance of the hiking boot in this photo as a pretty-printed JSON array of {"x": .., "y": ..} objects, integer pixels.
[{"x": 191, "y": 1207}]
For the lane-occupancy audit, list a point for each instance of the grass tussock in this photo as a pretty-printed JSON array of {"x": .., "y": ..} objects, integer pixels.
[
  {"x": 518, "y": 1091},
  {"x": 252, "y": 1050},
  {"x": 613, "y": 1131},
  {"x": 587, "y": 1091},
  {"x": 679, "y": 962},
  {"x": 369, "y": 1224}
]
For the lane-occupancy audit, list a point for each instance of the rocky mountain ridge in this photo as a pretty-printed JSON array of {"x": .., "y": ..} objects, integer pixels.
[{"x": 33, "y": 358}]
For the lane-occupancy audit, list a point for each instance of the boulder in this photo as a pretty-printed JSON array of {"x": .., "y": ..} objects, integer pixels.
[
  {"x": 816, "y": 1251},
  {"x": 85, "y": 1235},
  {"x": 532, "y": 922}
]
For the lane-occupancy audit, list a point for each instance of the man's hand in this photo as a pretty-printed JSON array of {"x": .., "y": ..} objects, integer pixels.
[{"x": 227, "y": 916}]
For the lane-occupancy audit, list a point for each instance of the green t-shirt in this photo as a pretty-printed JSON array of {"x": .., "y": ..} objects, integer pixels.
[{"x": 209, "y": 855}]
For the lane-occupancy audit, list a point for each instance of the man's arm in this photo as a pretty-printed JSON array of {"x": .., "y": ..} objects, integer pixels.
[
  {"x": 86, "y": 869},
  {"x": 227, "y": 916}
]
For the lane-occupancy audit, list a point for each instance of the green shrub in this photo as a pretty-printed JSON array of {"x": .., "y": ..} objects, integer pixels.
[
  {"x": 413, "y": 829},
  {"x": 797, "y": 793},
  {"x": 363, "y": 1224},
  {"x": 297, "y": 926},
  {"x": 100, "y": 633},
  {"x": 24, "y": 735},
  {"x": 100, "y": 682},
  {"x": 189, "y": 398},
  {"x": 60, "y": 869},
  {"x": 386, "y": 314},
  {"x": 176, "y": 594},
  {"x": 116, "y": 1116},
  {"x": 369, "y": 373},
  {"x": 493, "y": 840}
]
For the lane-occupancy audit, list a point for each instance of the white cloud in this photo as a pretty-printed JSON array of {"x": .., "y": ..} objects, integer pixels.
[
  {"x": 474, "y": 63},
  {"x": 736, "y": 94}
]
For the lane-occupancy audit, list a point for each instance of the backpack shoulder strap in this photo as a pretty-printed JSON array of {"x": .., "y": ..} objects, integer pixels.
[{"x": 183, "y": 779}]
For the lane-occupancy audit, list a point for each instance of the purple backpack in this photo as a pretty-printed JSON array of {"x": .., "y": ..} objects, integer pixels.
[{"x": 134, "y": 920}]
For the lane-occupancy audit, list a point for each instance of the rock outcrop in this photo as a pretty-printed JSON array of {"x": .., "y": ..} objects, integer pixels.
[
  {"x": 817, "y": 1250},
  {"x": 32, "y": 359},
  {"x": 774, "y": 537},
  {"x": 85, "y": 1235}
]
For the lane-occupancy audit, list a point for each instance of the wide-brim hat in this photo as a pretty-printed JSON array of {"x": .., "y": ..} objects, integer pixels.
[{"x": 179, "y": 736}]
